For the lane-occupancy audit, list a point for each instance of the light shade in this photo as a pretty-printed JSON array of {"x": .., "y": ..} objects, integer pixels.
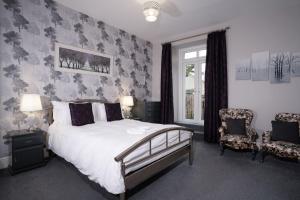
[
  {"x": 127, "y": 101},
  {"x": 151, "y": 11},
  {"x": 30, "y": 103}
]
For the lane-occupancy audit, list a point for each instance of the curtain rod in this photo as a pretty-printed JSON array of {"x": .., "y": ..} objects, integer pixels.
[{"x": 189, "y": 37}]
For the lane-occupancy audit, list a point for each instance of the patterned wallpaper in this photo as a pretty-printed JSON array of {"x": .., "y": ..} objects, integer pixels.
[{"x": 29, "y": 30}]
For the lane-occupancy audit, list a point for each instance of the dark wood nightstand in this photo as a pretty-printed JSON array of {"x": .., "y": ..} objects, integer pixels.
[
  {"x": 27, "y": 150},
  {"x": 147, "y": 111}
]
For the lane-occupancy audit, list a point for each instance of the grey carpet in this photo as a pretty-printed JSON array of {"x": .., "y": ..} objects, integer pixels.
[{"x": 232, "y": 176}]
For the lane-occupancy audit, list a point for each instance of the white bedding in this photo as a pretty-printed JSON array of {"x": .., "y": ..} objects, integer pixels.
[{"x": 92, "y": 148}]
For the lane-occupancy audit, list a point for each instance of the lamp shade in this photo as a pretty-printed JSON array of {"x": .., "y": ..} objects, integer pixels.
[
  {"x": 127, "y": 101},
  {"x": 30, "y": 102}
]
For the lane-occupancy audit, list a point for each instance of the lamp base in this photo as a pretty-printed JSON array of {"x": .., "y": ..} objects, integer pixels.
[
  {"x": 127, "y": 112},
  {"x": 32, "y": 129}
]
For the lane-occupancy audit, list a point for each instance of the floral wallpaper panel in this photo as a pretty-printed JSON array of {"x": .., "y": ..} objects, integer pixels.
[{"x": 28, "y": 32}]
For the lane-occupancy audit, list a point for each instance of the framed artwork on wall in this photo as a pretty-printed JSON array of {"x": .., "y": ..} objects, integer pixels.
[
  {"x": 295, "y": 71},
  {"x": 243, "y": 70},
  {"x": 77, "y": 60},
  {"x": 280, "y": 68},
  {"x": 260, "y": 66},
  {"x": 276, "y": 67}
]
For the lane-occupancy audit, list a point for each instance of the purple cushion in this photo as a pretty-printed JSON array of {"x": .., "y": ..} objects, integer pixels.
[
  {"x": 113, "y": 111},
  {"x": 81, "y": 114},
  {"x": 236, "y": 126},
  {"x": 285, "y": 131}
]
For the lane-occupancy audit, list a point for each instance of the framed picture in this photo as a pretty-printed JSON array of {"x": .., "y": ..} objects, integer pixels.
[
  {"x": 280, "y": 67},
  {"x": 78, "y": 60},
  {"x": 295, "y": 71},
  {"x": 260, "y": 66},
  {"x": 243, "y": 70}
]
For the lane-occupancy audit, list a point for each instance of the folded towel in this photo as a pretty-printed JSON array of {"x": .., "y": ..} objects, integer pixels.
[{"x": 138, "y": 130}]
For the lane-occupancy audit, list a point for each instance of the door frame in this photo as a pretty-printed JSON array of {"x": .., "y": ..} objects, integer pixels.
[{"x": 181, "y": 84}]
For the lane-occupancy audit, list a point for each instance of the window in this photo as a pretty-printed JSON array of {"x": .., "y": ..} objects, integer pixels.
[
  {"x": 191, "y": 84},
  {"x": 190, "y": 55},
  {"x": 202, "y": 53}
]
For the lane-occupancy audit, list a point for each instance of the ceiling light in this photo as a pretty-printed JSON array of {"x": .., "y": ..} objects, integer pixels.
[{"x": 151, "y": 11}]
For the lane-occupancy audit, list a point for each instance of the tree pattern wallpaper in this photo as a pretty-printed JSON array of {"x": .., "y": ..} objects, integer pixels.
[{"x": 28, "y": 32}]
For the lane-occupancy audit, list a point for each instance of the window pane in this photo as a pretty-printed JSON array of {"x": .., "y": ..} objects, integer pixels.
[
  {"x": 189, "y": 91},
  {"x": 203, "y": 67},
  {"x": 202, "y": 53},
  {"x": 189, "y": 55}
]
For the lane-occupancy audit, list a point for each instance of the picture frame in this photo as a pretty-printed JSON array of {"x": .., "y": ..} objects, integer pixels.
[
  {"x": 243, "y": 70},
  {"x": 260, "y": 66},
  {"x": 77, "y": 60},
  {"x": 295, "y": 68},
  {"x": 280, "y": 67}
]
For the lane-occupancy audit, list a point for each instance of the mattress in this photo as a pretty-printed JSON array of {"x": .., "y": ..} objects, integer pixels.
[{"x": 92, "y": 148}]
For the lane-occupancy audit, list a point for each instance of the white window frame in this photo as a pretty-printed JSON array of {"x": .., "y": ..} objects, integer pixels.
[{"x": 181, "y": 85}]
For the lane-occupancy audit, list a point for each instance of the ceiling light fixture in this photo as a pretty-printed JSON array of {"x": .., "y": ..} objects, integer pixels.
[{"x": 151, "y": 11}]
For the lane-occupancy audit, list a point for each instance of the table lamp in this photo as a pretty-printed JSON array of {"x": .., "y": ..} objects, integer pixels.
[
  {"x": 127, "y": 103},
  {"x": 30, "y": 103}
]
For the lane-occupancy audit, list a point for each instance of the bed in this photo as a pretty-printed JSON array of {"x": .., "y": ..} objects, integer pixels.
[{"x": 115, "y": 154}]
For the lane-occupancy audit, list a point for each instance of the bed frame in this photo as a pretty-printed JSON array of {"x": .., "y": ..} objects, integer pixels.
[{"x": 138, "y": 176}]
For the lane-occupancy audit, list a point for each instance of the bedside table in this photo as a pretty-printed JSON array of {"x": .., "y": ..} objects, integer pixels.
[{"x": 27, "y": 150}]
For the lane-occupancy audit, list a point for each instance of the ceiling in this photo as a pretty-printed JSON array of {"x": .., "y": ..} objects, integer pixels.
[{"x": 177, "y": 16}]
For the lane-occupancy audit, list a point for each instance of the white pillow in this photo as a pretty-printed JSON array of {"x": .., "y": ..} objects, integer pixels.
[
  {"x": 99, "y": 112},
  {"x": 61, "y": 113}
]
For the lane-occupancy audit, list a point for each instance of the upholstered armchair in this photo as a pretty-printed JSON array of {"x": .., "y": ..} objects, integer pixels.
[
  {"x": 237, "y": 142},
  {"x": 281, "y": 148}
]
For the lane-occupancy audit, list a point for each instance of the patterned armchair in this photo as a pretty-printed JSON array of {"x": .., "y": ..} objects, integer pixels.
[
  {"x": 280, "y": 148},
  {"x": 238, "y": 142}
]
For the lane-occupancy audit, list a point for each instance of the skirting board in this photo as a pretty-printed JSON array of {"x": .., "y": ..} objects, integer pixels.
[{"x": 4, "y": 162}]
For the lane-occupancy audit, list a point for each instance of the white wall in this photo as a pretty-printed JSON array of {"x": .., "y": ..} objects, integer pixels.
[
  {"x": 275, "y": 31},
  {"x": 156, "y": 59}
]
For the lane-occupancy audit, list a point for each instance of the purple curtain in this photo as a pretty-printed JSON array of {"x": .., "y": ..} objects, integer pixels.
[
  {"x": 166, "y": 87},
  {"x": 216, "y": 94}
]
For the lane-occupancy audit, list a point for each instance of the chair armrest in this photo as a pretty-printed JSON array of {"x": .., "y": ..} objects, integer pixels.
[
  {"x": 222, "y": 131},
  {"x": 266, "y": 137},
  {"x": 251, "y": 132}
]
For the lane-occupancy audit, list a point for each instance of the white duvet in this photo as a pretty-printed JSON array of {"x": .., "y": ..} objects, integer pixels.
[{"x": 92, "y": 148}]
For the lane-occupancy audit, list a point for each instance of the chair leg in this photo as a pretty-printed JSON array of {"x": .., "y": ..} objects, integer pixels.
[
  {"x": 122, "y": 196},
  {"x": 222, "y": 148},
  {"x": 263, "y": 155},
  {"x": 254, "y": 152}
]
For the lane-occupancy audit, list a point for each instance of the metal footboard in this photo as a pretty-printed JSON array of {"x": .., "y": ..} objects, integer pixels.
[{"x": 134, "y": 178}]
